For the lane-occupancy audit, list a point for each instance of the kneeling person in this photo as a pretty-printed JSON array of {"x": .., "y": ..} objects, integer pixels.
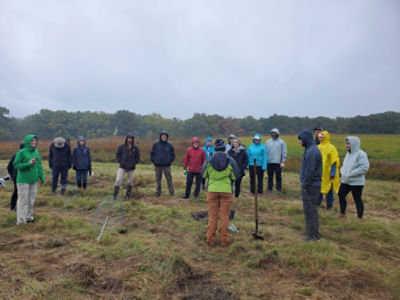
[{"x": 221, "y": 171}]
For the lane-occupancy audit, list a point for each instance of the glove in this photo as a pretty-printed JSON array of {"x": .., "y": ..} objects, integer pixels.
[{"x": 184, "y": 172}]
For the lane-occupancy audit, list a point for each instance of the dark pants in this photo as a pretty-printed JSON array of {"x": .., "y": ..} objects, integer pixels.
[
  {"x": 238, "y": 183},
  {"x": 271, "y": 169},
  {"x": 81, "y": 177},
  {"x": 168, "y": 176},
  {"x": 56, "y": 172},
  {"x": 14, "y": 196},
  {"x": 329, "y": 199},
  {"x": 310, "y": 199},
  {"x": 189, "y": 182},
  {"x": 356, "y": 191},
  {"x": 260, "y": 177}
]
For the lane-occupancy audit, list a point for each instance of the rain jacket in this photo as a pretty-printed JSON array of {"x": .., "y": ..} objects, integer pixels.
[
  {"x": 311, "y": 163},
  {"x": 355, "y": 164},
  {"x": 60, "y": 154},
  {"x": 276, "y": 149},
  {"x": 28, "y": 173},
  {"x": 330, "y": 164},
  {"x": 81, "y": 158},
  {"x": 258, "y": 152},
  {"x": 241, "y": 158},
  {"x": 222, "y": 171},
  {"x": 209, "y": 150},
  {"x": 162, "y": 153},
  {"x": 194, "y": 158},
  {"x": 128, "y": 156}
]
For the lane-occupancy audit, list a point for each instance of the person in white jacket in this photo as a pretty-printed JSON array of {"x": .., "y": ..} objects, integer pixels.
[
  {"x": 277, "y": 155},
  {"x": 355, "y": 166}
]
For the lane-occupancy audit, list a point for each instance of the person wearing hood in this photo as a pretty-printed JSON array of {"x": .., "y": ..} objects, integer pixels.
[
  {"x": 277, "y": 156},
  {"x": 355, "y": 166},
  {"x": 29, "y": 166},
  {"x": 258, "y": 152},
  {"x": 330, "y": 164},
  {"x": 60, "y": 161},
  {"x": 81, "y": 162},
  {"x": 229, "y": 145},
  {"x": 310, "y": 179},
  {"x": 221, "y": 170},
  {"x": 193, "y": 162},
  {"x": 239, "y": 154},
  {"x": 209, "y": 150},
  {"x": 162, "y": 155},
  {"x": 127, "y": 155},
  {"x": 13, "y": 174}
]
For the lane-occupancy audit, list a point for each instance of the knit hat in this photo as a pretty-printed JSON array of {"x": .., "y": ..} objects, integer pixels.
[{"x": 219, "y": 145}]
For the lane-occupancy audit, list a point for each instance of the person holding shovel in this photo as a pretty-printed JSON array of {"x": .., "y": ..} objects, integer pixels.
[{"x": 221, "y": 171}]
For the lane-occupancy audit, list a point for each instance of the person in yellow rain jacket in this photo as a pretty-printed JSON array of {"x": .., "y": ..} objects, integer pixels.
[{"x": 330, "y": 166}]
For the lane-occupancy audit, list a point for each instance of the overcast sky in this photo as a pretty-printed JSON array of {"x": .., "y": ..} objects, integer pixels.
[{"x": 232, "y": 58}]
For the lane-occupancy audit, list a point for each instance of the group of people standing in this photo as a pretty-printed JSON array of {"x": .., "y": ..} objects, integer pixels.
[{"x": 222, "y": 166}]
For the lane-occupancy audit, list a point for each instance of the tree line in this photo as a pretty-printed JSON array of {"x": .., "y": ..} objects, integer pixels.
[{"x": 48, "y": 124}]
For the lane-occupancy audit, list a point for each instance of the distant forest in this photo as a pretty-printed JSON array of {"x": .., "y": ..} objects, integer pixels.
[{"x": 48, "y": 124}]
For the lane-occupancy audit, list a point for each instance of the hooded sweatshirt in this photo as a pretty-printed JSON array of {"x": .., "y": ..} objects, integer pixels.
[
  {"x": 311, "y": 163},
  {"x": 162, "y": 153},
  {"x": 209, "y": 150},
  {"x": 28, "y": 173},
  {"x": 258, "y": 152},
  {"x": 60, "y": 154},
  {"x": 81, "y": 158},
  {"x": 355, "y": 164},
  {"x": 128, "y": 155},
  {"x": 194, "y": 158},
  {"x": 276, "y": 149},
  {"x": 222, "y": 170},
  {"x": 330, "y": 163}
]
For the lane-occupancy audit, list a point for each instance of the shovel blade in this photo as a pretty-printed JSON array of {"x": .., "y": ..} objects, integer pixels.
[{"x": 257, "y": 237}]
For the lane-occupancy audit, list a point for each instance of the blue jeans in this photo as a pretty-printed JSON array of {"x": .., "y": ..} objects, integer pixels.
[
  {"x": 56, "y": 173},
  {"x": 81, "y": 175},
  {"x": 329, "y": 199}
]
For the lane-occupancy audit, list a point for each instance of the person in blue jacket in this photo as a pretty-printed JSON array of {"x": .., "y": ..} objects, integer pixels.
[
  {"x": 81, "y": 162},
  {"x": 209, "y": 150},
  {"x": 258, "y": 152},
  {"x": 310, "y": 179}
]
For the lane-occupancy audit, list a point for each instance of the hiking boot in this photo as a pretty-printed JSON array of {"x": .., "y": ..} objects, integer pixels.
[
  {"x": 310, "y": 239},
  {"x": 30, "y": 220},
  {"x": 185, "y": 197},
  {"x": 115, "y": 193},
  {"x": 157, "y": 194},
  {"x": 128, "y": 191},
  {"x": 341, "y": 216},
  {"x": 79, "y": 185},
  {"x": 84, "y": 186},
  {"x": 172, "y": 194}
]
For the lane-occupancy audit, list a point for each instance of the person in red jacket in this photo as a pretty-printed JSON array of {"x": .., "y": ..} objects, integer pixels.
[{"x": 193, "y": 162}]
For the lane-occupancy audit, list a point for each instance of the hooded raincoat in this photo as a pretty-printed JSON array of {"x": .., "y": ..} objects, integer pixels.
[
  {"x": 28, "y": 173},
  {"x": 355, "y": 164},
  {"x": 330, "y": 164},
  {"x": 258, "y": 152},
  {"x": 311, "y": 163},
  {"x": 276, "y": 149}
]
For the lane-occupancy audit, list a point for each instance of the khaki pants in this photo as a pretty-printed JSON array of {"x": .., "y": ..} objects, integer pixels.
[
  {"x": 218, "y": 204},
  {"x": 168, "y": 176},
  {"x": 120, "y": 177},
  {"x": 26, "y": 197}
]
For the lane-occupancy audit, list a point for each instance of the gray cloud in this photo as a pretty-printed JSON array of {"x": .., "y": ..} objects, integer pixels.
[{"x": 233, "y": 58}]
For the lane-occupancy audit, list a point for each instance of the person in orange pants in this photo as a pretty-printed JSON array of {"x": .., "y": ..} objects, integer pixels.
[{"x": 221, "y": 171}]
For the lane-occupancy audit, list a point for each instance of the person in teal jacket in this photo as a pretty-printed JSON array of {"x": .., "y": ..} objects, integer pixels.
[
  {"x": 209, "y": 150},
  {"x": 30, "y": 170},
  {"x": 258, "y": 152}
]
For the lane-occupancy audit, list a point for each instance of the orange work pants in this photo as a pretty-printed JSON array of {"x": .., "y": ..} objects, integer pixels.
[{"x": 218, "y": 204}]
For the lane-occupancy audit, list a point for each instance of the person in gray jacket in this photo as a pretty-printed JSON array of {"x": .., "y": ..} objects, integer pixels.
[
  {"x": 277, "y": 155},
  {"x": 355, "y": 166},
  {"x": 310, "y": 179}
]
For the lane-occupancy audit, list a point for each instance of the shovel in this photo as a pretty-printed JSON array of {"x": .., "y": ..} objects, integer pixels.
[{"x": 255, "y": 234}]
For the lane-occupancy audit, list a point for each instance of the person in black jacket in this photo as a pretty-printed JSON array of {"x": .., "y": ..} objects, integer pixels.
[
  {"x": 60, "y": 161},
  {"x": 13, "y": 173},
  {"x": 127, "y": 155},
  {"x": 162, "y": 155},
  {"x": 239, "y": 154},
  {"x": 310, "y": 179},
  {"x": 82, "y": 162}
]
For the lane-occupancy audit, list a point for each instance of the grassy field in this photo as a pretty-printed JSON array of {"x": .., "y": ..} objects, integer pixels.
[{"x": 153, "y": 249}]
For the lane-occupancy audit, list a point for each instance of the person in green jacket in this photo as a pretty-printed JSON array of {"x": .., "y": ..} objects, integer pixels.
[
  {"x": 221, "y": 171},
  {"x": 29, "y": 165}
]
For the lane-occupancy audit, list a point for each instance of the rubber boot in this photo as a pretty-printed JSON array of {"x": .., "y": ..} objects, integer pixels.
[
  {"x": 128, "y": 191},
  {"x": 115, "y": 193}
]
